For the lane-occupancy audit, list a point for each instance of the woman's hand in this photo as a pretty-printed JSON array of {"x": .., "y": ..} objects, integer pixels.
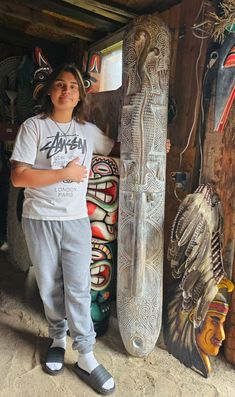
[
  {"x": 168, "y": 145},
  {"x": 76, "y": 172},
  {"x": 23, "y": 175}
]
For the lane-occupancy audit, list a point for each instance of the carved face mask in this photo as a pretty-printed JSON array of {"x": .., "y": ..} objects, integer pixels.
[
  {"x": 91, "y": 83},
  {"x": 41, "y": 73},
  {"x": 101, "y": 266},
  {"x": 225, "y": 88}
]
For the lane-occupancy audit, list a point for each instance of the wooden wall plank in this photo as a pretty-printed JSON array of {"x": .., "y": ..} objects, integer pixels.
[
  {"x": 185, "y": 89},
  {"x": 36, "y": 17},
  {"x": 185, "y": 49}
]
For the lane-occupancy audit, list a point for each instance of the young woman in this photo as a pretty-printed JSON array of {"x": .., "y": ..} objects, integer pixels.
[{"x": 51, "y": 160}]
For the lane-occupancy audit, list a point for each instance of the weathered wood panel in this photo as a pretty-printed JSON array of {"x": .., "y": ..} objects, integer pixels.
[{"x": 186, "y": 58}]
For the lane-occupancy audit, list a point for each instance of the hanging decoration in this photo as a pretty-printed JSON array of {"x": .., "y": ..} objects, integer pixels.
[{"x": 221, "y": 27}]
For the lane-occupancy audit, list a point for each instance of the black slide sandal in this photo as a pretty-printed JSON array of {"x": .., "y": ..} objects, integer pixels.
[
  {"x": 54, "y": 355},
  {"x": 95, "y": 379}
]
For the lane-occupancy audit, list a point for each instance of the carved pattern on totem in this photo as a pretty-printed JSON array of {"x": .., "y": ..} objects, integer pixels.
[{"x": 146, "y": 56}]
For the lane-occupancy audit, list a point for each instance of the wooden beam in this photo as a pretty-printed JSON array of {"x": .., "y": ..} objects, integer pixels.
[
  {"x": 21, "y": 39},
  {"x": 16, "y": 10},
  {"x": 71, "y": 11},
  {"x": 109, "y": 40},
  {"x": 111, "y": 12},
  {"x": 163, "y": 5},
  {"x": 140, "y": 7}
]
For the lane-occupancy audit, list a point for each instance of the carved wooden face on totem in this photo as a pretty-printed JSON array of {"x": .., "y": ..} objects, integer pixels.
[
  {"x": 101, "y": 270},
  {"x": 91, "y": 71},
  {"x": 43, "y": 70},
  {"x": 102, "y": 195},
  {"x": 211, "y": 334},
  {"x": 91, "y": 83},
  {"x": 101, "y": 266}
]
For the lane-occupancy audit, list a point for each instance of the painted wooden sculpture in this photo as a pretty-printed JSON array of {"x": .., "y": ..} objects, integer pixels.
[
  {"x": 102, "y": 204},
  {"x": 91, "y": 68},
  {"x": 221, "y": 149},
  {"x": 196, "y": 310},
  {"x": 225, "y": 84},
  {"x": 102, "y": 199},
  {"x": 146, "y": 57},
  {"x": 42, "y": 71}
]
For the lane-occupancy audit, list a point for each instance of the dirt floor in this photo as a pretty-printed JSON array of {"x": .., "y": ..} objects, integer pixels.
[{"x": 23, "y": 342}]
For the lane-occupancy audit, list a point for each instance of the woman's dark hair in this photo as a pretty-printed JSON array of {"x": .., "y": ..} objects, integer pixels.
[{"x": 46, "y": 107}]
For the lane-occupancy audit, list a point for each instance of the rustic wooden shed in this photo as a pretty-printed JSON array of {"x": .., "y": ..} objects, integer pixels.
[{"x": 65, "y": 29}]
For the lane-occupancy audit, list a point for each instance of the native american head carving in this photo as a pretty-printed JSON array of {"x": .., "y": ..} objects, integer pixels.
[
  {"x": 194, "y": 345},
  {"x": 196, "y": 311},
  {"x": 210, "y": 335}
]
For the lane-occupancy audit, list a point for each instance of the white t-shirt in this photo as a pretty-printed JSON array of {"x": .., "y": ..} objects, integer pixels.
[{"x": 48, "y": 145}]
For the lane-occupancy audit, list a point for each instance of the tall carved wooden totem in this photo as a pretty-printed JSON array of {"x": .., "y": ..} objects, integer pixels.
[{"x": 146, "y": 58}]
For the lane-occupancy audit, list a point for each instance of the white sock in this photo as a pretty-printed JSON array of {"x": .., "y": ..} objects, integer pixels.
[
  {"x": 88, "y": 363},
  {"x": 4, "y": 246},
  {"x": 57, "y": 343}
]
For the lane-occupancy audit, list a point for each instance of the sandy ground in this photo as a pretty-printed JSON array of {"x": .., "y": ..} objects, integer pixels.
[{"x": 23, "y": 343}]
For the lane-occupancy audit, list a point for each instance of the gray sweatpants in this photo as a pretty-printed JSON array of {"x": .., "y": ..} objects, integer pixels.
[{"x": 60, "y": 252}]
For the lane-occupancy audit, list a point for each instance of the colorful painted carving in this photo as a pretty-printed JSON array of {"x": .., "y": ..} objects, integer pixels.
[
  {"x": 102, "y": 204},
  {"x": 103, "y": 278},
  {"x": 190, "y": 344},
  {"x": 102, "y": 197},
  {"x": 146, "y": 57},
  {"x": 225, "y": 84},
  {"x": 196, "y": 312},
  {"x": 42, "y": 71},
  {"x": 91, "y": 68}
]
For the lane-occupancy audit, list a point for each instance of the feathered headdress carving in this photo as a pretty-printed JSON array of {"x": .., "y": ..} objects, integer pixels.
[
  {"x": 197, "y": 269},
  {"x": 195, "y": 250}
]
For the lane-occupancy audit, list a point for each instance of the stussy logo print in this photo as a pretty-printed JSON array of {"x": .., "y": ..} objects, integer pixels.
[{"x": 63, "y": 144}]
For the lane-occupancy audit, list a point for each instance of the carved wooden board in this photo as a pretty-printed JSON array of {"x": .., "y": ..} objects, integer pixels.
[{"x": 146, "y": 56}]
